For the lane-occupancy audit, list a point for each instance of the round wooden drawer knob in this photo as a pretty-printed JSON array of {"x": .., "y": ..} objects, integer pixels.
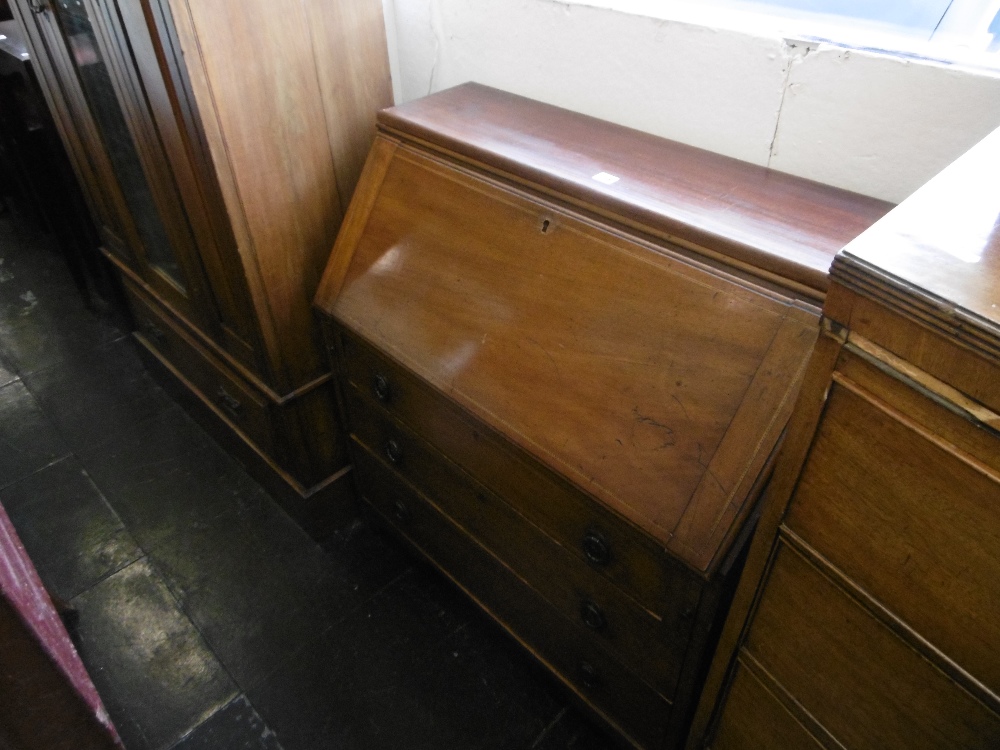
[
  {"x": 596, "y": 548},
  {"x": 381, "y": 388},
  {"x": 401, "y": 511},
  {"x": 393, "y": 451},
  {"x": 589, "y": 676},
  {"x": 592, "y": 615}
]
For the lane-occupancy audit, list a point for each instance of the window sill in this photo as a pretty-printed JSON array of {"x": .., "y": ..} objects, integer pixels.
[{"x": 951, "y": 50}]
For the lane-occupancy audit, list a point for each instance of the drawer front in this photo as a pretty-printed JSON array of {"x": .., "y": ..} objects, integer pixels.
[
  {"x": 913, "y": 523},
  {"x": 756, "y": 718},
  {"x": 607, "y": 543},
  {"x": 648, "y": 646},
  {"x": 577, "y": 658},
  {"x": 857, "y": 678},
  {"x": 238, "y": 404}
]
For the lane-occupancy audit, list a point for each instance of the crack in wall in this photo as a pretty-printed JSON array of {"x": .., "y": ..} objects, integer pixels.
[
  {"x": 795, "y": 51},
  {"x": 437, "y": 32}
]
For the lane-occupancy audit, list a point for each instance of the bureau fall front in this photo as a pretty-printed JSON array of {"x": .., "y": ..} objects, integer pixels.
[{"x": 564, "y": 385}]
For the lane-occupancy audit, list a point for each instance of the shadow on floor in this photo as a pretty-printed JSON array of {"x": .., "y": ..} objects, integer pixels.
[{"x": 207, "y": 618}]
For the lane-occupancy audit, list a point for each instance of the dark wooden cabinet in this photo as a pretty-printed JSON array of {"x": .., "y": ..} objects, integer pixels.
[
  {"x": 566, "y": 355},
  {"x": 867, "y": 617},
  {"x": 34, "y": 168},
  {"x": 219, "y": 143}
]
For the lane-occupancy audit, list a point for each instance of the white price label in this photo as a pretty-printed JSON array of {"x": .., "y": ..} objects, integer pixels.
[{"x": 604, "y": 177}]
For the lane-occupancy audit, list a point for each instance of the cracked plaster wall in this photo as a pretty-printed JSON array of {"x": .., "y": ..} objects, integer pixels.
[{"x": 859, "y": 120}]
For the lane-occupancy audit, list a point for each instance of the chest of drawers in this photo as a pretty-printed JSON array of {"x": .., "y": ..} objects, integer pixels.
[
  {"x": 565, "y": 357},
  {"x": 868, "y": 612}
]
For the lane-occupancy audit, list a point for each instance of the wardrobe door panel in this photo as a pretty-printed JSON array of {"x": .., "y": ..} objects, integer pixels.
[
  {"x": 161, "y": 76},
  {"x": 97, "y": 78}
]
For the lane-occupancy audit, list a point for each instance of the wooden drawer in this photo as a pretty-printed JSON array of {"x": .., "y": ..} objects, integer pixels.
[
  {"x": 650, "y": 647},
  {"x": 235, "y": 402},
  {"x": 606, "y": 542},
  {"x": 857, "y": 678},
  {"x": 576, "y": 657},
  {"x": 912, "y": 519},
  {"x": 756, "y": 719}
]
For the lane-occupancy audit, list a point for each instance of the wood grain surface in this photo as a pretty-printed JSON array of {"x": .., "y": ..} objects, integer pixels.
[
  {"x": 653, "y": 384},
  {"x": 941, "y": 246},
  {"x": 756, "y": 718},
  {"x": 637, "y": 564},
  {"x": 772, "y": 222},
  {"x": 637, "y": 714},
  {"x": 645, "y": 643},
  {"x": 922, "y": 519},
  {"x": 868, "y": 605},
  {"x": 853, "y": 674}
]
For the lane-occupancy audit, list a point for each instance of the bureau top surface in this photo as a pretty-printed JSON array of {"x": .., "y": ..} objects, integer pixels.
[
  {"x": 656, "y": 385},
  {"x": 774, "y": 222}
]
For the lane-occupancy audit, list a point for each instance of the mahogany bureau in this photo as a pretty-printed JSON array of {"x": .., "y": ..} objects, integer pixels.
[
  {"x": 566, "y": 353},
  {"x": 869, "y": 611}
]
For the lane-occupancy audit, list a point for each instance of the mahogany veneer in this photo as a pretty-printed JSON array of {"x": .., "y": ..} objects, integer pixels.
[
  {"x": 567, "y": 393},
  {"x": 867, "y": 615},
  {"x": 219, "y": 142}
]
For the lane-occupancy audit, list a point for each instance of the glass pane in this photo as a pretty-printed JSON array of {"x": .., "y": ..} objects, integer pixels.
[
  {"x": 916, "y": 18},
  {"x": 100, "y": 93},
  {"x": 994, "y": 32},
  {"x": 916, "y": 14}
]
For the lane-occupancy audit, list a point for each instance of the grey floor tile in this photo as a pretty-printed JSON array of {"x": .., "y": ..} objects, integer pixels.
[
  {"x": 7, "y": 374},
  {"x": 397, "y": 674},
  {"x": 573, "y": 731},
  {"x": 73, "y": 536},
  {"x": 95, "y": 395},
  {"x": 153, "y": 670},
  {"x": 28, "y": 441},
  {"x": 236, "y": 726},
  {"x": 165, "y": 477},
  {"x": 256, "y": 589},
  {"x": 43, "y": 317}
]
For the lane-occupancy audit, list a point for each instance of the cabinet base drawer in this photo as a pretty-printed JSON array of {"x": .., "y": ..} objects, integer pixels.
[
  {"x": 756, "y": 718},
  {"x": 921, "y": 515},
  {"x": 630, "y": 559},
  {"x": 294, "y": 447},
  {"x": 619, "y": 698},
  {"x": 834, "y": 658},
  {"x": 235, "y": 401}
]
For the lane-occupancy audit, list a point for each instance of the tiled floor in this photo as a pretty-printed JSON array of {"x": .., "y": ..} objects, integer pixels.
[{"x": 207, "y": 618}]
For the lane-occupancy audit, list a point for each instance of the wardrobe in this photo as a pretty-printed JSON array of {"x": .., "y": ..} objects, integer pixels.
[{"x": 218, "y": 143}]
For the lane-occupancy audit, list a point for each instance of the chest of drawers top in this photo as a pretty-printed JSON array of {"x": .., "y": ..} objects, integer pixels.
[{"x": 633, "y": 313}]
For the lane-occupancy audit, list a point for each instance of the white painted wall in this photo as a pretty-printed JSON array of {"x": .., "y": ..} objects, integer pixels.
[
  {"x": 859, "y": 120},
  {"x": 878, "y": 124}
]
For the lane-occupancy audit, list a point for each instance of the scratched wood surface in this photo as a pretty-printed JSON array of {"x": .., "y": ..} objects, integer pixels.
[{"x": 657, "y": 386}]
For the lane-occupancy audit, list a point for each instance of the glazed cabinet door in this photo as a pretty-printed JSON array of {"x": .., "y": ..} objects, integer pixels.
[
  {"x": 161, "y": 73},
  {"x": 141, "y": 216}
]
